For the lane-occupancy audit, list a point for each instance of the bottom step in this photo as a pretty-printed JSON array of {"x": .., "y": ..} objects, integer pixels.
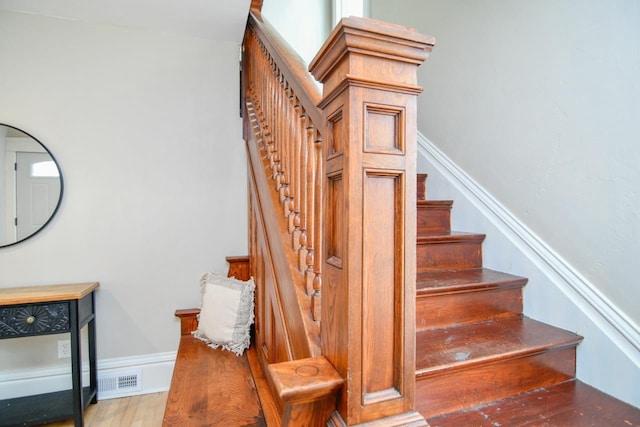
[
  {"x": 568, "y": 404},
  {"x": 463, "y": 366}
]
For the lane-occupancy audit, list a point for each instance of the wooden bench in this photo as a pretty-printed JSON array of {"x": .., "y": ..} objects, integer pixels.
[{"x": 212, "y": 387}]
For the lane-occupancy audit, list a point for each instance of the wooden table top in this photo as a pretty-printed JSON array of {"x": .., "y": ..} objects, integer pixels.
[{"x": 32, "y": 294}]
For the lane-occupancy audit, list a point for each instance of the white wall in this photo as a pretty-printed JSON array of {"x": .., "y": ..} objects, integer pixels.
[
  {"x": 538, "y": 102},
  {"x": 145, "y": 128},
  {"x": 346, "y": 8},
  {"x": 305, "y": 25}
]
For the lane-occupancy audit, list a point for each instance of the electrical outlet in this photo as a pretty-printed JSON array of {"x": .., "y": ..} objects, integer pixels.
[{"x": 64, "y": 349}]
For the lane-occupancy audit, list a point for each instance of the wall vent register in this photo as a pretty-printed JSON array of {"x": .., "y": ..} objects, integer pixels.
[{"x": 117, "y": 382}]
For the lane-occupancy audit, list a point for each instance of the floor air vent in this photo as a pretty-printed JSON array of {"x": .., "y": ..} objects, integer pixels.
[{"x": 119, "y": 383}]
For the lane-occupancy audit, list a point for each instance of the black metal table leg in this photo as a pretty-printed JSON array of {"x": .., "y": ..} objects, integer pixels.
[
  {"x": 93, "y": 372},
  {"x": 76, "y": 366}
]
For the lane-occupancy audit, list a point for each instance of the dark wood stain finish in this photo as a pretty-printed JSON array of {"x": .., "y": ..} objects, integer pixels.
[
  {"x": 434, "y": 216},
  {"x": 488, "y": 295},
  {"x": 479, "y": 361},
  {"x": 570, "y": 403},
  {"x": 449, "y": 250}
]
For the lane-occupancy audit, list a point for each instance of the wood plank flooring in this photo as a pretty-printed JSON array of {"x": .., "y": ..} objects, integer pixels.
[
  {"x": 571, "y": 403},
  {"x": 145, "y": 410}
]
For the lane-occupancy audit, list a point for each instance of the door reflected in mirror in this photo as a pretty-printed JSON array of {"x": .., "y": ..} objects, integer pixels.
[{"x": 30, "y": 185}]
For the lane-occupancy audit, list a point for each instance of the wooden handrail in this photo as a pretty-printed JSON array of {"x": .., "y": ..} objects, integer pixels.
[
  {"x": 256, "y": 6},
  {"x": 332, "y": 199},
  {"x": 292, "y": 67}
]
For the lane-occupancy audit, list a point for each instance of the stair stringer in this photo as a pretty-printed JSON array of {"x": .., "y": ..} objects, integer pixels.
[{"x": 609, "y": 357}]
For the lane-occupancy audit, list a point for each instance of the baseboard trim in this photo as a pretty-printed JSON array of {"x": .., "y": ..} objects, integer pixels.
[
  {"x": 582, "y": 293},
  {"x": 156, "y": 370}
]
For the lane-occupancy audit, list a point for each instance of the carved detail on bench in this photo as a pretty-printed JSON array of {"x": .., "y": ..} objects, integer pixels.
[
  {"x": 188, "y": 320},
  {"x": 306, "y": 389},
  {"x": 239, "y": 267}
]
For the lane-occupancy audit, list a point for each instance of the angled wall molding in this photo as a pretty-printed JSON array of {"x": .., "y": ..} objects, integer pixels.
[{"x": 602, "y": 312}]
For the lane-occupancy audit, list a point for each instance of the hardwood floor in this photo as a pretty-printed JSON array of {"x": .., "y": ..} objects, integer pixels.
[
  {"x": 145, "y": 410},
  {"x": 571, "y": 403}
]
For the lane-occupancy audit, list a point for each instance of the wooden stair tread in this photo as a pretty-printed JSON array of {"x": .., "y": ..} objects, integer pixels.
[
  {"x": 450, "y": 237},
  {"x": 421, "y": 186},
  {"x": 435, "y": 204},
  {"x": 440, "y": 350},
  {"x": 435, "y": 282},
  {"x": 567, "y": 404},
  {"x": 479, "y": 361}
]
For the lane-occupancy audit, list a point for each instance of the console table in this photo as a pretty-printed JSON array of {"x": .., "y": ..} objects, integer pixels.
[{"x": 45, "y": 310}]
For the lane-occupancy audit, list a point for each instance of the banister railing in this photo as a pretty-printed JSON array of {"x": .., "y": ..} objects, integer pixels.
[
  {"x": 285, "y": 98},
  {"x": 332, "y": 191}
]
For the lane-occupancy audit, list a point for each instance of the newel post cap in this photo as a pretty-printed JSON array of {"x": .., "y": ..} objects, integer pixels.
[{"x": 367, "y": 49}]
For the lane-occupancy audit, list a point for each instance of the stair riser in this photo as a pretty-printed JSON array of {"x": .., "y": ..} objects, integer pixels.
[
  {"x": 469, "y": 307},
  {"x": 421, "y": 186},
  {"x": 457, "y": 389},
  {"x": 433, "y": 220},
  {"x": 443, "y": 256}
]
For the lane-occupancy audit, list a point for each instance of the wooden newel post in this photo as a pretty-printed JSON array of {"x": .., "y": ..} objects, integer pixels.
[{"x": 369, "y": 69}]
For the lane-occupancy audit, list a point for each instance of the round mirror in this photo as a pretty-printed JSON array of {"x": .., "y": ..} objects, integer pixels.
[{"x": 30, "y": 185}]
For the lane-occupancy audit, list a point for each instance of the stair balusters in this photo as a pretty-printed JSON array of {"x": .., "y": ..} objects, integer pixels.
[{"x": 292, "y": 144}]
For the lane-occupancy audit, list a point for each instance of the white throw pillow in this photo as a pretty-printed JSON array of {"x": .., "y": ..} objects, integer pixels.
[{"x": 226, "y": 314}]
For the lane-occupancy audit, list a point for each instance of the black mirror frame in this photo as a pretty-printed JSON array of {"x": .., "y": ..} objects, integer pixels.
[{"x": 53, "y": 214}]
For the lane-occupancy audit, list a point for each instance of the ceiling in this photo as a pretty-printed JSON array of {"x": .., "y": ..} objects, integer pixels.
[{"x": 221, "y": 20}]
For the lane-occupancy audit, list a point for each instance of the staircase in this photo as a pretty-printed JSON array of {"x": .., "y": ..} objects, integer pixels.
[
  {"x": 479, "y": 361},
  {"x": 331, "y": 246}
]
